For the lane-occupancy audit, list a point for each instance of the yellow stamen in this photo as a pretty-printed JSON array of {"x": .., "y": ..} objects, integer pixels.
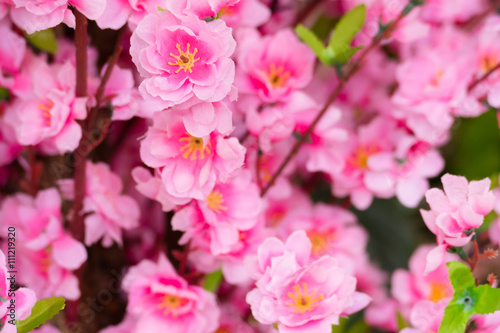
[
  {"x": 185, "y": 60},
  {"x": 46, "y": 107},
  {"x": 439, "y": 290},
  {"x": 435, "y": 80},
  {"x": 320, "y": 241},
  {"x": 277, "y": 76},
  {"x": 45, "y": 260},
  {"x": 360, "y": 156},
  {"x": 170, "y": 303},
  {"x": 302, "y": 301},
  {"x": 488, "y": 62},
  {"x": 193, "y": 145},
  {"x": 215, "y": 202}
]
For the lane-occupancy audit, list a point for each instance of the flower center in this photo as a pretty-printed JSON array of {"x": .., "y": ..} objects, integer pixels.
[
  {"x": 227, "y": 11},
  {"x": 46, "y": 106},
  {"x": 435, "y": 80},
  {"x": 170, "y": 303},
  {"x": 320, "y": 241},
  {"x": 301, "y": 300},
  {"x": 277, "y": 76},
  {"x": 192, "y": 146},
  {"x": 215, "y": 202},
  {"x": 439, "y": 290},
  {"x": 45, "y": 260},
  {"x": 488, "y": 62},
  {"x": 185, "y": 60},
  {"x": 359, "y": 158}
]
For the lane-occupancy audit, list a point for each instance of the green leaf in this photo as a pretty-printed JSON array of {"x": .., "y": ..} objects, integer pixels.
[
  {"x": 349, "y": 25},
  {"x": 43, "y": 311},
  {"x": 344, "y": 56},
  {"x": 467, "y": 299},
  {"x": 44, "y": 40},
  {"x": 460, "y": 276},
  {"x": 401, "y": 322},
  {"x": 4, "y": 94},
  {"x": 308, "y": 37},
  {"x": 455, "y": 319},
  {"x": 488, "y": 299},
  {"x": 212, "y": 281}
]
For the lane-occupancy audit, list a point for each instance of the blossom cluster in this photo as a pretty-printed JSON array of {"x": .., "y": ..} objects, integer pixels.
[{"x": 199, "y": 153}]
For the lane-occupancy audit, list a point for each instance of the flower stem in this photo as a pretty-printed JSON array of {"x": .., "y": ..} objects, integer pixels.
[{"x": 350, "y": 72}]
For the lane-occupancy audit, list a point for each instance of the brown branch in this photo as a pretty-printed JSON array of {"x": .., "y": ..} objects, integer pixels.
[
  {"x": 475, "y": 83},
  {"x": 473, "y": 262},
  {"x": 80, "y": 158},
  {"x": 351, "y": 71}
]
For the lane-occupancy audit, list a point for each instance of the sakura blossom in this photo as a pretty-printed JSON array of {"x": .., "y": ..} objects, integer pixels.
[
  {"x": 454, "y": 212},
  {"x": 159, "y": 297},
  {"x": 295, "y": 291},
  {"x": 250, "y": 166},
  {"x": 190, "y": 61}
]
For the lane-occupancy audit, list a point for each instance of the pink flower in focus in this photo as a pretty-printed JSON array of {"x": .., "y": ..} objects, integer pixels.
[
  {"x": 47, "y": 115},
  {"x": 461, "y": 207},
  {"x": 35, "y": 15},
  {"x": 118, "y": 12},
  {"x": 189, "y": 165},
  {"x": 203, "y": 118},
  {"x": 300, "y": 294},
  {"x": 160, "y": 298},
  {"x": 47, "y": 253},
  {"x": 182, "y": 58},
  {"x": 274, "y": 66},
  {"x": 107, "y": 211},
  {"x": 12, "y": 308}
]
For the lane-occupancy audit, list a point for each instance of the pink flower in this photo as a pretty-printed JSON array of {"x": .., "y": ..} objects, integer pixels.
[
  {"x": 126, "y": 100},
  {"x": 47, "y": 254},
  {"x": 15, "y": 306},
  {"x": 12, "y": 49},
  {"x": 439, "y": 11},
  {"x": 203, "y": 118},
  {"x": 34, "y": 16},
  {"x": 200, "y": 8},
  {"x": 333, "y": 231},
  {"x": 182, "y": 59},
  {"x": 107, "y": 211},
  {"x": 460, "y": 208},
  {"x": 426, "y": 317},
  {"x": 273, "y": 122},
  {"x": 47, "y": 115},
  {"x": 321, "y": 153},
  {"x": 413, "y": 287},
  {"x": 411, "y": 28},
  {"x": 118, "y": 12},
  {"x": 189, "y": 165},
  {"x": 159, "y": 298},
  {"x": 228, "y": 211},
  {"x": 300, "y": 294},
  {"x": 489, "y": 323},
  {"x": 274, "y": 66},
  {"x": 245, "y": 13}
]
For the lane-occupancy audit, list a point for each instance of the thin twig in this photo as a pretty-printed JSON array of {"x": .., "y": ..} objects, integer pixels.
[
  {"x": 474, "y": 84},
  {"x": 81, "y": 40},
  {"x": 351, "y": 71}
]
